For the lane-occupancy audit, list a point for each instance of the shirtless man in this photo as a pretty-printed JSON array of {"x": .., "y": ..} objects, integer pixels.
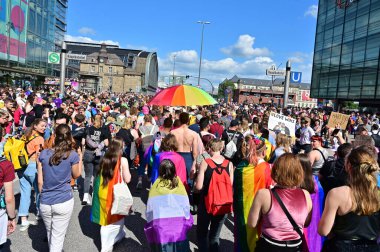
[{"x": 187, "y": 142}]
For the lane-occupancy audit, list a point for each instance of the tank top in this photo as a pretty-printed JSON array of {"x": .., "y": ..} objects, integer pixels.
[
  {"x": 354, "y": 227},
  {"x": 275, "y": 224},
  {"x": 317, "y": 165}
]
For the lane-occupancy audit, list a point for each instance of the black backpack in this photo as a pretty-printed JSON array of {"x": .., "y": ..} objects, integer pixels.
[{"x": 376, "y": 138}]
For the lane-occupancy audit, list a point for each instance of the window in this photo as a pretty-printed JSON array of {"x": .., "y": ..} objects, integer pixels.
[
  {"x": 110, "y": 69},
  {"x": 100, "y": 69},
  {"x": 92, "y": 69}
]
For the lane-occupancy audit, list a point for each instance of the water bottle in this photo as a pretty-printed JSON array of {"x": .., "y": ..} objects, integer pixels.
[{"x": 22, "y": 160}]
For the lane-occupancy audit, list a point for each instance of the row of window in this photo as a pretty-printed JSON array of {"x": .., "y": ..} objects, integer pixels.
[{"x": 93, "y": 69}]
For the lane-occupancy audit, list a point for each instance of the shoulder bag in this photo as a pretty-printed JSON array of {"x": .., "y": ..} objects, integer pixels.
[
  {"x": 122, "y": 197},
  {"x": 304, "y": 247}
]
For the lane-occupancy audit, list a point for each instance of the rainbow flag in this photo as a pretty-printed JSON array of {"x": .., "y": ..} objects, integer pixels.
[
  {"x": 168, "y": 217},
  {"x": 248, "y": 179},
  {"x": 103, "y": 198},
  {"x": 314, "y": 240}
]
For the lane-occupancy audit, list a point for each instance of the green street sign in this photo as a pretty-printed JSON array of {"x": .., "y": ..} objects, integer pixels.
[{"x": 54, "y": 58}]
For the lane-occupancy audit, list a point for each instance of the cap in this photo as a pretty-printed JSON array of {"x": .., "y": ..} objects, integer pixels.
[
  {"x": 234, "y": 123},
  {"x": 199, "y": 117},
  {"x": 145, "y": 110},
  {"x": 76, "y": 104},
  {"x": 117, "y": 105}
]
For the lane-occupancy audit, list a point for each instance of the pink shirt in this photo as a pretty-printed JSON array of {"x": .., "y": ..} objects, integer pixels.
[{"x": 275, "y": 224}]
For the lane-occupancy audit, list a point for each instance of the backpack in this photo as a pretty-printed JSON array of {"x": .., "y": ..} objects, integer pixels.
[
  {"x": 231, "y": 148},
  {"x": 147, "y": 139},
  {"x": 376, "y": 138},
  {"x": 16, "y": 152},
  {"x": 218, "y": 200}
]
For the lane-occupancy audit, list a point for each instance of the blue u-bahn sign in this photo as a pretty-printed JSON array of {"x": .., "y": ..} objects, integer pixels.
[{"x": 295, "y": 77}]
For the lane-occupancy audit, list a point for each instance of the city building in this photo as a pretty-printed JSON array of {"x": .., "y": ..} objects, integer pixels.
[
  {"x": 110, "y": 68},
  {"x": 26, "y": 38},
  {"x": 347, "y": 52},
  {"x": 260, "y": 91}
]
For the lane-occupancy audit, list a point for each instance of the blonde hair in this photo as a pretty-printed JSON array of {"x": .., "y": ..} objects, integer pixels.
[
  {"x": 363, "y": 181},
  {"x": 215, "y": 145},
  {"x": 244, "y": 125},
  {"x": 127, "y": 123},
  {"x": 98, "y": 123},
  {"x": 283, "y": 140}
]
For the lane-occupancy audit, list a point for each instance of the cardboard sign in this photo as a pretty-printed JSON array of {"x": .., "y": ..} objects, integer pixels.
[
  {"x": 283, "y": 124},
  {"x": 338, "y": 118}
]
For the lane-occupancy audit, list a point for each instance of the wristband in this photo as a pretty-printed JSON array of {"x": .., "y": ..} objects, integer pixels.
[{"x": 11, "y": 219}]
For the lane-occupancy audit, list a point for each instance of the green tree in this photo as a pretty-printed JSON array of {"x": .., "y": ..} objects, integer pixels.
[{"x": 223, "y": 86}]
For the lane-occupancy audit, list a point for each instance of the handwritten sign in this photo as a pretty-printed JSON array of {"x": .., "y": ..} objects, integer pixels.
[
  {"x": 282, "y": 124},
  {"x": 338, "y": 118}
]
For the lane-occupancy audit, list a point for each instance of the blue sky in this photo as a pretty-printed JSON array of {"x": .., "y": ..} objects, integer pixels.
[{"x": 244, "y": 37}]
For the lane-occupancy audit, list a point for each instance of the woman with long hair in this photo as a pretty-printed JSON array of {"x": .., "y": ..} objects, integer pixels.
[
  {"x": 251, "y": 175},
  {"x": 97, "y": 137},
  {"x": 283, "y": 143},
  {"x": 167, "y": 207},
  {"x": 277, "y": 232},
  {"x": 351, "y": 215},
  {"x": 56, "y": 167},
  {"x": 28, "y": 177},
  {"x": 313, "y": 186},
  {"x": 113, "y": 166}
]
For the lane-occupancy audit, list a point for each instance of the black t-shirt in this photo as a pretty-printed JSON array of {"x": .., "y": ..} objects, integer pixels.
[
  {"x": 126, "y": 135},
  {"x": 97, "y": 135},
  {"x": 334, "y": 174},
  {"x": 38, "y": 110}
]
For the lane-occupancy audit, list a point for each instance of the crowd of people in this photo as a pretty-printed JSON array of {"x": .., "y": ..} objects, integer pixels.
[{"x": 315, "y": 191}]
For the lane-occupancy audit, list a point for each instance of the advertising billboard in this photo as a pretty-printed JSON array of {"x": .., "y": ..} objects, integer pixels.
[{"x": 13, "y": 28}]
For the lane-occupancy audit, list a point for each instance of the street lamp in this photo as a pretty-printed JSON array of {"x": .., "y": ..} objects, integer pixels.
[
  {"x": 175, "y": 55},
  {"x": 200, "y": 55}
]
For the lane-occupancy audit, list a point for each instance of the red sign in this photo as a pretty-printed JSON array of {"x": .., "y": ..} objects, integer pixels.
[{"x": 305, "y": 96}]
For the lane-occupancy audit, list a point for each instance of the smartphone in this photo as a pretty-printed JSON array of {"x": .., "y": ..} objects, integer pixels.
[{"x": 335, "y": 132}]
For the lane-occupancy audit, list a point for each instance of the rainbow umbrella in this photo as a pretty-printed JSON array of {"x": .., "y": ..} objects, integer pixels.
[{"x": 182, "y": 95}]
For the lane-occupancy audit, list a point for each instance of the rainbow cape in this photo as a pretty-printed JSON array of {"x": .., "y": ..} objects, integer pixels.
[
  {"x": 168, "y": 217},
  {"x": 314, "y": 240},
  {"x": 248, "y": 179},
  {"x": 103, "y": 198}
]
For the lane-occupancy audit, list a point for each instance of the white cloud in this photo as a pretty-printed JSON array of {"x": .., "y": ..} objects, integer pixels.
[
  {"x": 302, "y": 62},
  {"x": 184, "y": 56},
  {"x": 312, "y": 11},
  {"x": 86, "y": 31},
  {"x": 187, "y": 63},
  {"x": 244, "y": 48},
  {"x": 89, "y": 40}
]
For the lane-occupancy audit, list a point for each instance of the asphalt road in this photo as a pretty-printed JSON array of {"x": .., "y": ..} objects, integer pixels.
[{"x": 83, "y": 235}]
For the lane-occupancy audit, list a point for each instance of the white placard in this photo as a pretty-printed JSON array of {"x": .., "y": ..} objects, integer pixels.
[{"x": 282, "y": 123}]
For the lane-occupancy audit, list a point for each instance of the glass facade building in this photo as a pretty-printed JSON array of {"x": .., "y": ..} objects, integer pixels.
[
  {"x": 347, "y": 51},
  {"x": 46, "y": 27}
]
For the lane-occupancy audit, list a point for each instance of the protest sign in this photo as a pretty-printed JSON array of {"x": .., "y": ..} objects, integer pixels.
[
  {"x": 281, "y": 123},
  {"x": 338, "y": 118}
]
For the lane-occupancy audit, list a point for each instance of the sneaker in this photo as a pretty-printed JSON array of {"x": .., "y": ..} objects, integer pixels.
[
  {"x": 139, "y": 185},
  {"x": 86, "y": 199},
  {"x": 26, "y": 225}
]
